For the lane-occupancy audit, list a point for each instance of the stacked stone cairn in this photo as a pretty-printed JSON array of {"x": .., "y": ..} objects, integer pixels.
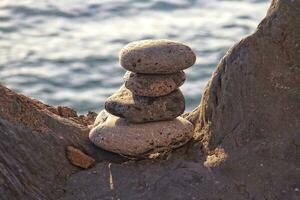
[{"x": 143, "y": 116}]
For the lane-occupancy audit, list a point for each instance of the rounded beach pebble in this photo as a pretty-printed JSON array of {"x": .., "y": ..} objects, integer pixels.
[
  {"x": 118, "y": 135},
  {"x": 156, "y": 57},
  {"x": 153, "y": 85},
  {"x": 140, "y": 109}
]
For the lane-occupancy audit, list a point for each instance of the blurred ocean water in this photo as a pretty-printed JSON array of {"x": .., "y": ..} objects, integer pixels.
[{"x": 66, "y": 52}]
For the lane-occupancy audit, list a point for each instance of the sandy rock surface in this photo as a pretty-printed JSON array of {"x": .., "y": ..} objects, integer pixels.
[
  {"x": 78, "y": 158},
  {"x": 247, "y": 126}
]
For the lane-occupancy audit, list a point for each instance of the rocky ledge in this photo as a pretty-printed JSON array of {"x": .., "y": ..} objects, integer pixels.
[{"x": 246, "y": 134}]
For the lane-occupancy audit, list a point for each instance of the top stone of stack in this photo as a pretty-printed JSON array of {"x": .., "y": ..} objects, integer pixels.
[{"x": 156, "y": 57}]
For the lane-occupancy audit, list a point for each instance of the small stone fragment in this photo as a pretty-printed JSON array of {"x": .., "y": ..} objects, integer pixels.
[
  {"x": 156, "y": 57},
  {"x": 101, "y": 117},
  {"x": 120, "y": 136},
  {"x": 153, "y": 85},
  {"x": 140, "y": 109},
  {"x": 78, "y": 158}
]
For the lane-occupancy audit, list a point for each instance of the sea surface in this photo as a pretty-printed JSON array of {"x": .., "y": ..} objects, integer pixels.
[{"x": 65, "y": 52}]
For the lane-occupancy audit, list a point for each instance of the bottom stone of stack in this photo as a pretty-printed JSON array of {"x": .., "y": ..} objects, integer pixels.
[{"x": 117, "y": 135}]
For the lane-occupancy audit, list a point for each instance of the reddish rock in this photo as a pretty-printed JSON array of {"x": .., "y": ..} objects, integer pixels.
[
  {"x": 34, "y": 114},
  {"x": 89, "y": 118},
  {"x": 78, "y": 158},
  {"x": 66, "y": 112},
  {"x": 33, "y": 141}
]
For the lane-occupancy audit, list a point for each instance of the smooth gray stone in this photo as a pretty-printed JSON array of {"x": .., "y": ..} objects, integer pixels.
[
  {"x": 140, "y": 109},
  {"x": 153, "y": 85},
  {"x": 156, "y": 57}
]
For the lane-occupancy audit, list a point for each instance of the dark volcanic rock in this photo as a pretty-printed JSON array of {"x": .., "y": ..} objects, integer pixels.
[
  {"x": 153, "y": 85},
  {"x": 156, "y": 57},
  {"x": 138, "y": 109}
]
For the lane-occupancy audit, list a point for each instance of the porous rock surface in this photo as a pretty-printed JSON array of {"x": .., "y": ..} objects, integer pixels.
[
  {"x": 156, "y": 57},
  {"x": 249, "y": 116},
  {"x": 153, "y": 85},
  {"x": 140, "y": 109},
  {"x": 247, "y": 124},
  {"x": 118, "y": 135}
]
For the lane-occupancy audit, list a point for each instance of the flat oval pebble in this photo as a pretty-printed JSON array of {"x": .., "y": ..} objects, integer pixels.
[
  {"x": 140, "y": 109},
  {"x": 118, "y": 135},
  {"x": 153, "y": 85},
  {"x": 156, "y": 57}
]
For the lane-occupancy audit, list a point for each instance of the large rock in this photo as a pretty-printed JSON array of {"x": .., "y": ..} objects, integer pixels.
[
  {"x": 156, "y": 57},
  {"x": 249, "y": 117},
  {"x": 118, "y": 135},
  {"x": 33, "y": 143},
  {"x": 140, "y": 109},
  {"x": 153, "y": 85}
]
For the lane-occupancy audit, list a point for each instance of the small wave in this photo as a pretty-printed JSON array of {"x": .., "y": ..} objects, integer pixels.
[{"x": 25, "y": 11}]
